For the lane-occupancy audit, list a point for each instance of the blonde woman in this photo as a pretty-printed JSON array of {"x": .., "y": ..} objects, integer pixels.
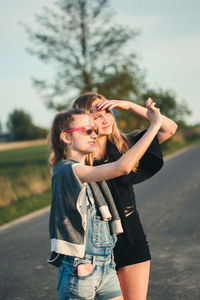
[{"x": 132, "y": 254}]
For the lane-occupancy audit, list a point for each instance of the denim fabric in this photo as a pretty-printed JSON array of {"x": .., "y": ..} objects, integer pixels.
[
  {"x": 99, "y": 240},
  {"x": 102, "y": 282}
]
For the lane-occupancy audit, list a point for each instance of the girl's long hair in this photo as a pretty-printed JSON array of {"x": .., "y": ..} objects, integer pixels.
[
  {"x": 61, "y": 122},
  {"x": 84, "y": 102}
]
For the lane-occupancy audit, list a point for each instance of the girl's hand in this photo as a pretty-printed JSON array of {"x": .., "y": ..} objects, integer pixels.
[
  {"x": 149, "y": 102},
  {"x": 110, "y": 104},
  {"x": 153, "y": 113}
]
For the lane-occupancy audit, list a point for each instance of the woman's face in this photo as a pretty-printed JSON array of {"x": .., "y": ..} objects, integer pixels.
[
  {"x": 82, "y": 142},
  {"x": 103, "y": 119}
]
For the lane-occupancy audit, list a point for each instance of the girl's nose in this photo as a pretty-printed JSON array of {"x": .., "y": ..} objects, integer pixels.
[
  {"x": 104, "y": 120},
  {"x": 94, "y": 135}
]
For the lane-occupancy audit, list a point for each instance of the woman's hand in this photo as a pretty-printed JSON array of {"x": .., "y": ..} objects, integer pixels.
[{"x": 110, "y": 104}]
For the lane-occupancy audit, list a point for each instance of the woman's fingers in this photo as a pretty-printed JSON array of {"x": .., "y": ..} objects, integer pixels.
[
  {"x": 106, "y": 105},
  {"x": 110, "y": 104},
  {"x": 103, "y": 106}
]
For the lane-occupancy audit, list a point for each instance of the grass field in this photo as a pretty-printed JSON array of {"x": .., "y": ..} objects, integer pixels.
[{"x": 25, "y": 179}]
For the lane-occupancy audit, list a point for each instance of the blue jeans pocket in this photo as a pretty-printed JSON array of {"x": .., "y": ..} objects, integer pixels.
[
  {"x": 82, "y": 268},
  {"x": 87, "y": 274}
]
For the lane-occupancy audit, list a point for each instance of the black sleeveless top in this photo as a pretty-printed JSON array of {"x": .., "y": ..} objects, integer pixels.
[{"x": 122, "y": 186}]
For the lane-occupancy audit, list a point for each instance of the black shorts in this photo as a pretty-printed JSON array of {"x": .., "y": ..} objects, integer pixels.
[{"x": 126, "y": 253}]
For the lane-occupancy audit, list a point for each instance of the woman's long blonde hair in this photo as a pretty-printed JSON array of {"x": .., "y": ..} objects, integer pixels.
[
  {"x": 61, "y": 122},
  {"x": 84, "y": 102}
]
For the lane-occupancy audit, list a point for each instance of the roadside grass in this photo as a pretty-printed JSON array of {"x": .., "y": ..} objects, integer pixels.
[
  {"x": 23, "y": 172},
  {"x": 25, "y": 179},
  {"x": 24, "y": 206},
  {"x": 178, "y": 146}
]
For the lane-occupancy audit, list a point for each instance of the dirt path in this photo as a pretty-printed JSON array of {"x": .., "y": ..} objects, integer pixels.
[{"x": 14, "y": 145}]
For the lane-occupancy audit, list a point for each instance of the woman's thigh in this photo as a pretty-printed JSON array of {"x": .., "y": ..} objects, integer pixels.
[{"x": 134, "y": 280}]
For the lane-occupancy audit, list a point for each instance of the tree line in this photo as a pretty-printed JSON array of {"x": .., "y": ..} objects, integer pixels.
[
  {"x": 90, "y": 51},
  {"x": 20, "y": 127}
]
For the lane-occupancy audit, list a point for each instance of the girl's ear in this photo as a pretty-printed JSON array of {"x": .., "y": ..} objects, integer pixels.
[{"x": 65, "y": 137}]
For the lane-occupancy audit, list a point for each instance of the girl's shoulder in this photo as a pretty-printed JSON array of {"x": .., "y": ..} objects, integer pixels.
[
  {"x": 64, "y": 172},
  {"x": 64, "y": 166}
]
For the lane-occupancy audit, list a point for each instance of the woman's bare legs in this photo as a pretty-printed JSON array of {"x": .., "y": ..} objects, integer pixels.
[{"x": 134, "y": 280}]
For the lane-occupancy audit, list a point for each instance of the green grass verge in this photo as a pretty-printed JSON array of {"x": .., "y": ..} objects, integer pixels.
[
  {"x": 175, "y": 147},
  {"x": 23, "y": 173},
  {"x": 24, "y": 206},
  {"x": 24, "y": 181}
]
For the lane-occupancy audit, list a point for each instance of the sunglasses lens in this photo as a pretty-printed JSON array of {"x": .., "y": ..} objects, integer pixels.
[
  {"x": 89, "y": 131},
  {"x": 96, "y": 130}
]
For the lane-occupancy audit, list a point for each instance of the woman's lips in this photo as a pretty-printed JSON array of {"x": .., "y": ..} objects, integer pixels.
[{"x": 106, "y": 127}]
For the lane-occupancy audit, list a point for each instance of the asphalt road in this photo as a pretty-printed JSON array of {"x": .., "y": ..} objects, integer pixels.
[{"x": 169, "y": 205}]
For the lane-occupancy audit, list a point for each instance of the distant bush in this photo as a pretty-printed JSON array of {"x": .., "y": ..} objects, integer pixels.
[{"x": 21, "y": 127}]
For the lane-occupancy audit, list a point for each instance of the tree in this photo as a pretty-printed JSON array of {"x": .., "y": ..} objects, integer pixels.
[
  {"x": 88, "y": 50},
  {"x": 168, "y": 104},
  {"x": 21, "y": 127}
]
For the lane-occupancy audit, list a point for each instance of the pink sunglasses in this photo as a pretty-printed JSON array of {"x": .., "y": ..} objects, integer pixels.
[{"x": 88, "y": 130}]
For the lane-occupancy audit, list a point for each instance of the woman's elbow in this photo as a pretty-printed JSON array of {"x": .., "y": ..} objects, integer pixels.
[
  {"x": 173, "y": 128},
  {"x": 164, "y": 135}
]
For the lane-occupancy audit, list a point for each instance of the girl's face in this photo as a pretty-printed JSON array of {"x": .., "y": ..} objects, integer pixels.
[
  {"x": 81, "y": 141},
  {"x": 103, "y": 119}
]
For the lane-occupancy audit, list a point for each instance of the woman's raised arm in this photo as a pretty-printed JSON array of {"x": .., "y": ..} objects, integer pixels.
[
  {"x": 127, "y": 161},
  {"x": 168, "y": 126}
]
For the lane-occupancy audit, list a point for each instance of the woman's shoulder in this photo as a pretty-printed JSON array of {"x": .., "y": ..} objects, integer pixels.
[{"x": 134, "y": 135}]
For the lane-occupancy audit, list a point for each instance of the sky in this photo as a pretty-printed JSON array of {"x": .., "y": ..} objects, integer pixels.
[{"x": 168, "y": 48}]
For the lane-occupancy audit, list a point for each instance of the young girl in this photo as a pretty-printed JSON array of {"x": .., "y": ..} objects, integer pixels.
[
  {"x": 79, "y": 213},
  {"x": 132, "y": 255}
]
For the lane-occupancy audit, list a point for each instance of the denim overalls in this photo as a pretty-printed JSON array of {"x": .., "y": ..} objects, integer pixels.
[{"x": 102, "y": 281}]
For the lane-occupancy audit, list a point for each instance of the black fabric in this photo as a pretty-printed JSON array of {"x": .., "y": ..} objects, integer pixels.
[
  {"x": 129, "y": 254},
  {"x": 122, "y": 187},
  {"x": 55, "y": 259},
  {"x": 150, "y": 163}
]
